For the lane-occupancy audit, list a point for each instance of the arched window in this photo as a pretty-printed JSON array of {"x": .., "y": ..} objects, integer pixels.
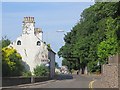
[
  {"x": 38, "y": 43},
  {"x": 18, "y": 42}
]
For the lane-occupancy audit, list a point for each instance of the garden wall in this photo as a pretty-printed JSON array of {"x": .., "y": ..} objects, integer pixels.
[
  {"x": 110, "y": 74},
  {"x": 11, "y": 81}
]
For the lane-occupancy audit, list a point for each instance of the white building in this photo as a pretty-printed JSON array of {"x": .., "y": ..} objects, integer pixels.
[
  {"x": 64, "y": 70},
  {"x": 30, "y": 45}
]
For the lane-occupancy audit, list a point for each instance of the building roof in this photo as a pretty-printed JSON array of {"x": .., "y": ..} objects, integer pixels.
[{"x": 52, "y": 51}]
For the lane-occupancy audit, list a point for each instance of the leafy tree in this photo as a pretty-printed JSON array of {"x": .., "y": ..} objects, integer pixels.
[
  {"x": 110, "y": 45},
  {"x": 41, "y": 70},
  {"x": 4, "y": 42},
  {"x": 91, "y": 35},
  {"x": 65, "y": 62},
  {"x": 11, "y": 62}
]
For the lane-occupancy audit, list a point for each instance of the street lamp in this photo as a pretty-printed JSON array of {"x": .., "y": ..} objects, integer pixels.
[{"x": 60, "y": 31}]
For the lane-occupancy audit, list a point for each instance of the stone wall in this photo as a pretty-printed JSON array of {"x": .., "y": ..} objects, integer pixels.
[
  {"x": 109, "y": 77},
  {"x": 119, "y": 76},
  {"x": 114, "y": 59},
  {"x": 110, "y": 74},
  {"x": 11, "y": 81}
]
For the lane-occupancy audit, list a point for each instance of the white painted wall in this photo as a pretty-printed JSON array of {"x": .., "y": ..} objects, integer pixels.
[{"x": 31, "y": 53}]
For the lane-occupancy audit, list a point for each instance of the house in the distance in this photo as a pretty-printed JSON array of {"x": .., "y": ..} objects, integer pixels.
[{"x": 31, "y": 46}]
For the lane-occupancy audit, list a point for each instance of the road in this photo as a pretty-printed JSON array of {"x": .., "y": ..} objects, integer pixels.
[{"x": 63, "y": 81}]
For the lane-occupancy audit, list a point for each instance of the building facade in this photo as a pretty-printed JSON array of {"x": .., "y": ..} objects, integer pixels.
[
  {"x": 30, "y": 45},
  {"x": 51, "y": 56}
]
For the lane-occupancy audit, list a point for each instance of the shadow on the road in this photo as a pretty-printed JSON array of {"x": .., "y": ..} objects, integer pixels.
[{"x": 63, "y": 77}]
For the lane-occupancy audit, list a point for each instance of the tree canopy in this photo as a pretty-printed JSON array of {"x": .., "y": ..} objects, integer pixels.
[
  {"x": 11, "y": 60},
  {"x": 4, "y": 42},
  {"x": 95, "y": 37}
]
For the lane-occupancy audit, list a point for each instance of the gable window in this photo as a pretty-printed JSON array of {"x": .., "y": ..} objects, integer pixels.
[
  {"x": 38, "y": 43},
  {"x": 18, "y": 42}
]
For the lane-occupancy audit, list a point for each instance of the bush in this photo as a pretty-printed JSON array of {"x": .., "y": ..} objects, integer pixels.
[
  {"x": 27, "y": 74},
  {"x": 11, "y": 62},
  {"x": 41, "y": 70}
]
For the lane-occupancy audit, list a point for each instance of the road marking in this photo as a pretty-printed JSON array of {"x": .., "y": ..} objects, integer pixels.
[{"x": 91, "y": 85}]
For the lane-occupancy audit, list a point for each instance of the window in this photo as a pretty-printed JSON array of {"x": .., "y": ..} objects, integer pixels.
[
  {"x": 38, "y": 43},
  {"x": 18, "y": 42},
  {"x": 42, "y": 56}
]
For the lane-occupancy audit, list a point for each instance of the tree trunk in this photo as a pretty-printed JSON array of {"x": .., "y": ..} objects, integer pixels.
[{"x": 83, "y": 70}]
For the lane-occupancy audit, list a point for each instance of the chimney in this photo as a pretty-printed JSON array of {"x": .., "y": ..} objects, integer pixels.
[
  {"x": 38, "y": 32},
  {"x": 28, "y": 20}
]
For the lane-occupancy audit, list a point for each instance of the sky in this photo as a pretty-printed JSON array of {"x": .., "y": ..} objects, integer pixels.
[{"x": 50, "y": 16}]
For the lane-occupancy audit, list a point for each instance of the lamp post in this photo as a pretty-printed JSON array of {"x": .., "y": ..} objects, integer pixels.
[{"x": 60, "y": 31}]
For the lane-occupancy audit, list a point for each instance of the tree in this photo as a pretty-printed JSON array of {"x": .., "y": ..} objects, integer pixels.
[
  {"x": 11, "y": 62},
  {"x": 65, "y": 62},
  {"x": 110, "y": 45},
  {"x": 4, "y": 42},
  {"x": 41, "y": 70},
  {"x": 90, "y": 35}
]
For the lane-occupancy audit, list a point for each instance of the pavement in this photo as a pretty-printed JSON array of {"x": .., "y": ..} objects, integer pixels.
[{"x": 63, "y": 81}]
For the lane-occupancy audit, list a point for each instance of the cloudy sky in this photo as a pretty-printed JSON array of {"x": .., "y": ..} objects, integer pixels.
[{"x": 48, "y": 16}]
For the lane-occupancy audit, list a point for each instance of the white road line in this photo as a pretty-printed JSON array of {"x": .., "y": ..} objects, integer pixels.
[{"x": 91, "y": 84}]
